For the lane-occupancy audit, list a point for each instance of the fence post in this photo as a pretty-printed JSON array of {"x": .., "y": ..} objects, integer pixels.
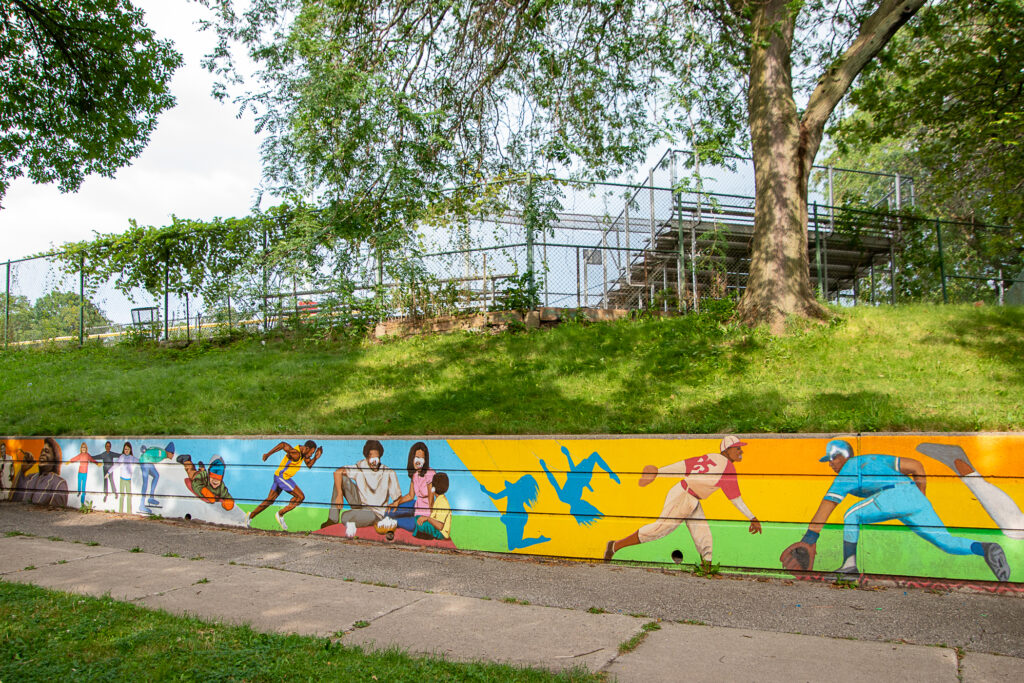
[
  {"x": 817, "y": 246},
  {"x": 484, "y": 282},
  {"x": 677, "y": 200},
  {"x": 693, "y": 233},
  {"x": 7, "y": 306},
  {"x": 266, "y": 281},
  {"x": 942, "y": 260},
  {"x": 579, "y": 302},
  {"x": 167, "y": 298},
  {"x": 529, "y": 222},
  {"x": 892, "y": 270},
  {"x": 81, "y": 301}
]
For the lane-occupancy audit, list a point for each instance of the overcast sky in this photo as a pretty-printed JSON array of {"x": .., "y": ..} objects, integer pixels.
[{"x": 201, "y": 161}]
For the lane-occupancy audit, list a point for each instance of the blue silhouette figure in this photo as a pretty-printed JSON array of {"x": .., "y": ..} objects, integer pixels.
[
  {"x": 520, "y": 495},
  {"x": 578, "y": 478}
]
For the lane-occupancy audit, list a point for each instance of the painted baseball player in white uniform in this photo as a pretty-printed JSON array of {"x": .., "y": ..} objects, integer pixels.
[{"x": 702, "y": 476}]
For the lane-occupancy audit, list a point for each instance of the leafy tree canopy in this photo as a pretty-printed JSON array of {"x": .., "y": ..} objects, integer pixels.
[
  {"x": 378, "y": 107},
  {"x": 83, "y": 82},
  {"x": 55, "y": 314},
  {"x": 945, "y": 104}
]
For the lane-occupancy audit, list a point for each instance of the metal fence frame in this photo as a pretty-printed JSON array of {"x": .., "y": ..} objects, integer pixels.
[{"x": 674, "y": 259}]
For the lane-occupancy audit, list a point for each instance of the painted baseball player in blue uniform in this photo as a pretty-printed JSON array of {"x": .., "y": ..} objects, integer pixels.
[{"x": 891, "y": 488}]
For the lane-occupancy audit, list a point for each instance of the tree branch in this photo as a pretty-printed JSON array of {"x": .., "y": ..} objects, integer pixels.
[{"x": 875, "y": 33}]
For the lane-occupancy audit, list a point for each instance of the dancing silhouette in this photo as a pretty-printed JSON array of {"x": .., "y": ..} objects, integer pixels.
[
  {"x": 520, "y": 494},
  {"x": 578, "y": 478}
]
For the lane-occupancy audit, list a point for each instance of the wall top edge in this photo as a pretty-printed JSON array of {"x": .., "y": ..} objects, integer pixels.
[{"x": 505, "y": 437}]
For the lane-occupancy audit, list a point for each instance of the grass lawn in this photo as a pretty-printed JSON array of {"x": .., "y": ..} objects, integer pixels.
[
  {"x": 51, "y": 636},
  {"x": 911, "y": 368}
]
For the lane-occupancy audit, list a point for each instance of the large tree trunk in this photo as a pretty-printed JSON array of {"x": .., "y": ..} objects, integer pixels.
[
  {"x": 784, "y": 146},
  {"x": 779, "y": 284}
]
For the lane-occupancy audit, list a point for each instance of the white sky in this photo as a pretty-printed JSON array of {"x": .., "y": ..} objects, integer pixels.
[{"x": 201, "y": 161}]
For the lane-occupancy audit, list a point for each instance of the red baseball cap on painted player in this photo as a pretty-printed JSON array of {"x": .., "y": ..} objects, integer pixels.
[{"x": 730, "y": 441}]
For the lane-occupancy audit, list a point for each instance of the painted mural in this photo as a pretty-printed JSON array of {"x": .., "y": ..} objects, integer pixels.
[{"x": 943, "y": 507}]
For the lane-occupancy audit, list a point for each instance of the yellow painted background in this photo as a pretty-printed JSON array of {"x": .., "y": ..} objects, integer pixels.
[{"x": 781, "y": 480}]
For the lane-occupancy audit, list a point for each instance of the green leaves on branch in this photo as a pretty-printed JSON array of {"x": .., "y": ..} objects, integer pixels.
[
  {"x": 83, "y": 82},
  {"x": 944, "y": 104}
]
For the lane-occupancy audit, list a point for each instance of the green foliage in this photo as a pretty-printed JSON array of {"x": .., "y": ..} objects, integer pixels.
[
  {"x": 380, "y": 107},
  {"x": 83, "y": 82},
  {"x": 707, "y": 569},
  {"x": 519, "y": 293},
  {"x": 55, "y": 314},
  {"x": 387, "y": 111},
  {"x": 943, "y": 104}
]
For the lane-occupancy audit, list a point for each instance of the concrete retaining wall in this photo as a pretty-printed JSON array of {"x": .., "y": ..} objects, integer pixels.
[{"x": 571, "y": 496}]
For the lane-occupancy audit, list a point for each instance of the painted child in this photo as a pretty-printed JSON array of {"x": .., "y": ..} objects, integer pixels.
[
  {"x": 126, "y": 467},
  {"x": 83, "y": 459},
  {"x": 208, "y": 484},
  {"x": 438, "y": 524}
]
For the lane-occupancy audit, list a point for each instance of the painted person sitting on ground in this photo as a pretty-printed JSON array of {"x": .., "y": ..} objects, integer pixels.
[
  {"x": 438, "y": 524},
  {"x": 419, "y": 500},
  {"x": 208, "y": 484},
  {"x": 368, "y": 486}
]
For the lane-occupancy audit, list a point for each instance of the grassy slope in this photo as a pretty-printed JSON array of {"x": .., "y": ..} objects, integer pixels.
[{"x": 879, "y": 369}]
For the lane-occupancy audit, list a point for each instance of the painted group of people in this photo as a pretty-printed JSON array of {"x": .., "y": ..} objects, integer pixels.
[
  {"x": 373, "y": 494},
  {"x": 39, "y": 480},
  {"x": 370, "y": 489}
]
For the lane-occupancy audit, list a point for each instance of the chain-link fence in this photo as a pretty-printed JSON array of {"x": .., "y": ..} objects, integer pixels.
[{"x": 527, "y": 243}]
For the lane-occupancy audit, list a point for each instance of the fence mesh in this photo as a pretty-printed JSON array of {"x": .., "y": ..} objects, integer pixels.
[{"x": 679, "y": 240}]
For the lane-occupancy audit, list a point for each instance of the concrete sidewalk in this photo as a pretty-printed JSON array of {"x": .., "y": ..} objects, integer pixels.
[{"x": 272, "y": 583}]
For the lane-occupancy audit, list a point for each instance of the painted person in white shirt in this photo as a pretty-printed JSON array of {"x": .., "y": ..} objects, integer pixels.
[{"x": 368, "y": 487}]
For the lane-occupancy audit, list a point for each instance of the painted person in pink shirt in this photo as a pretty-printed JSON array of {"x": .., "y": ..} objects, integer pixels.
[
  {"x": 83, "y": 459},
  {"x": 420, "y": 499}
]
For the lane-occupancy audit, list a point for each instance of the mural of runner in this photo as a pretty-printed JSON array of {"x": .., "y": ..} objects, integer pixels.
[{"x": 293, "y": 458}]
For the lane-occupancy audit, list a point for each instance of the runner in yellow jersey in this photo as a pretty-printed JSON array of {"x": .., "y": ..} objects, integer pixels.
[{"x": 307, "y": 453}]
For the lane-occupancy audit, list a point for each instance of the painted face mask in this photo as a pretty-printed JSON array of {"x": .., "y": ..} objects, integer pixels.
[
  {"x": 374, "y": 462},
  {"x": 418, "y": 463}
]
